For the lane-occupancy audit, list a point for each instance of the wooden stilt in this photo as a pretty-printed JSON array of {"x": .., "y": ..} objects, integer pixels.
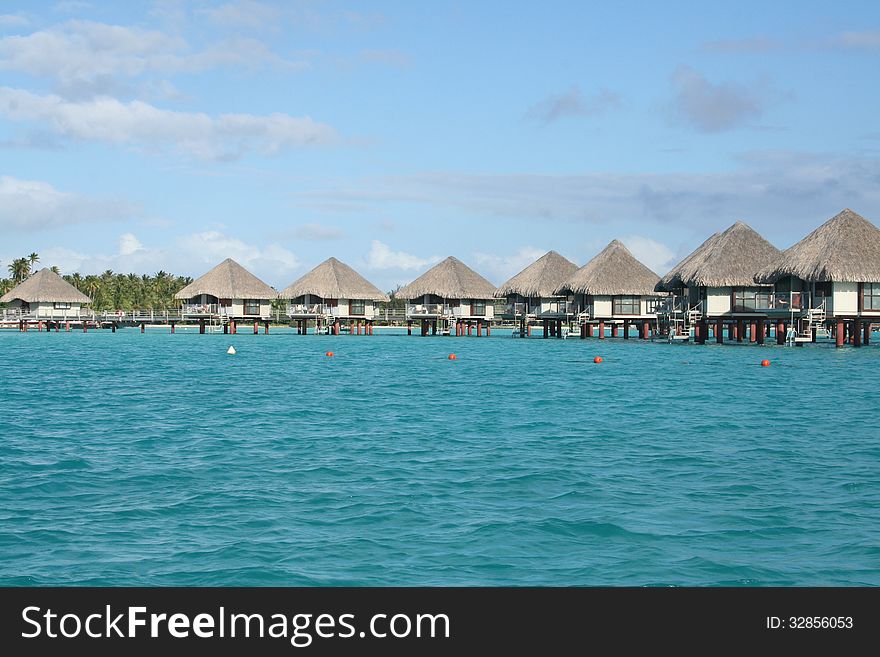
[
  {"x": 780, "y": 332},
  {"x": 731, "y": 331},
  {"x": 529, "y": 330},
  {"x": 266, "y": 327},
  {"x": 856, "y": 332},
  {"x": 488, "y": 330},
  {"x": 740, "y": 330},
  {"x": 172, "y": 327},
  {"x": 546, "y": 323},
  {"x": 408, "y": 327},
  {"x": 758, "y": 330},
  {"x": 614, "y": 330},
  {"x": 201, "y": 327},
  {"x": 626, "y": 330},
  {"x": 601, "y": 330},
  {"x": 646, "y": 329},
  {"x": 589, "y": 330},
  {"x": 143, "y": 326},
  {"x": 67, "y": 327},
  {"x": 719, "y": 331},
  {"x": 839, "y": 333},
  {"x": 256, "y": 327},
  {"x": 866, "y": 339},
  {"x": 752, "y": 331}
]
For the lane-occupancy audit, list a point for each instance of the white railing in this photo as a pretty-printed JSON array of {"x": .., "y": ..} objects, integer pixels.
[
  {"x": 307, "y": 309},
  {"x": 427, "y": 309}
]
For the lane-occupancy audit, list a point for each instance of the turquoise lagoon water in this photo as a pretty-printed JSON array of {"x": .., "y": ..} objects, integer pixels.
[{"x": 157, "y": 459}]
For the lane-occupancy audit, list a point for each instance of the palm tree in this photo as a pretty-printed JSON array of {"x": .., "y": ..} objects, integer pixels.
[
  {"x": 33, "y": 259},
  {"x": 20, "y": 269},
  {"x": 55, "y": 269}
]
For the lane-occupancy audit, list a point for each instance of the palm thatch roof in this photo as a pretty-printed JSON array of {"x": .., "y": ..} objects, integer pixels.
[
  {"x": 540, "y": 279},
  {"x": 450, "y": 279},
  {"x": 731, "y": 258},
  {"x": 228, "y": 280},
  {"x": 45, "y": 286},
  {"x": 846, "y": 248},
  {"x": 333, "y": 279},
  {"x": 613, "y": 271}
]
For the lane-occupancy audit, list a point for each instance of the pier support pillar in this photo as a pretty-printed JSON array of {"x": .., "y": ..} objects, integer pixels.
[
  {"x": 113, "y": 327},
  {"x": 488, "y": 330},
  {"x": 719, "y": 331},
  {"x": 58, "y": 328},
  {"x": 646, "y": 330},
  {"x": 433, "y": 328},
  {"x": 172, "y": 327},
  {"x": 201, "y": 327},
  {"x": 780, "y": 332},
  {"x": 740, "y": 330},
  {"x": 225, "y": 329},
  {"x": 85, "y": 327},
  {"x": 143, "y": 326},
  {"x": 256, "y": 327},
  {"x": 866, "y": 339},
  {"x": 838, "y": 333},
  {"x": 529, "y": 330},
  {"x": 626, "y": 330},
  {"x": 479, "y": 328},
  {"x": 336, "y": 328},
  {"x": 233, "y": 327},
  {"x": 546, "y": 328},
  {"x": 856, "y": 333},
  {"x": 601, "y": 330},
  {"x": 753, "y": 331},
  {"x": 266, "y": 328},
  {"x": 408, "y": 327},
  {"x": 67, "y": 326},
  {"x": 731, "y": 331},
  {"x": 614, "y": 330},
  {"x": 758, "y": 331},
  {"x": 589, "y": 330}
]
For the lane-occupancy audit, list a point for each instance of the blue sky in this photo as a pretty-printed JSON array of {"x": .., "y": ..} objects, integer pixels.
[{"x": 170, "y": 135}]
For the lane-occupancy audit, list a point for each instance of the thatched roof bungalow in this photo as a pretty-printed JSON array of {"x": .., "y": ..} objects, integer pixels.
[
  {"x": 613, "y": 285},
  {"x": 335, "y": 291},
  {"x": 532, "y": 292},
  {"x": 719, "y": 276},
  {"x": 449, "y": 291},
  {"x": 46, "y": 295},
  {"x": 837, "y": 266},
  {"x": 231, "y": 290}
]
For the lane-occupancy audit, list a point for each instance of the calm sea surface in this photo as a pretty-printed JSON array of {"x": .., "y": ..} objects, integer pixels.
[{"x": 158, "y": 459}]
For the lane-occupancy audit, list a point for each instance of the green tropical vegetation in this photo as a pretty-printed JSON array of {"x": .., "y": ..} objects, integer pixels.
[{"x": 109, "y": 291}]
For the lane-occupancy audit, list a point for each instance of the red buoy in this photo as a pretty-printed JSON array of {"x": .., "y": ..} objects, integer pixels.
[
  {"x": 329, "y": 354},
  {"x": 597, "y": 359},
  {"x": 765, "y": 363},
  {"x": 453, "y": 357}
]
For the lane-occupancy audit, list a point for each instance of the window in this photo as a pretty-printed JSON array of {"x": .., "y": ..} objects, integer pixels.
[
  {"x": 626, "y": 305},
  {"x": 61, "y": 305},
  {"x": 823, "y": 289},
  {"x": 750, "y": 298},
  {"x": 871, "y": 296},
  {"x": 651, "y": 305},
  {"x": 357, "y": 307},
  {"x": 478, "y": 308},
  {"x": 251, "y": 306}
]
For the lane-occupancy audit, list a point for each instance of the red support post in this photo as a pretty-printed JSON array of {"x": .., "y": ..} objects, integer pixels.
[
  {"x": 266, "y": 328},
  {"x": 601, "y": 329},
  {"x": 780, "y": 332},
  {"x": 856, "y": 333},
  {"x": 719, "y": 331},
  {"x": 758, "y": 331},
  {"x": 838, "y": 333},
  {"x": 614, "y": 330},
  {"x": 256, "y": 327}
]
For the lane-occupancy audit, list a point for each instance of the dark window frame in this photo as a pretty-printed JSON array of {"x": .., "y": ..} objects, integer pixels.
[
  {"x": 249, "y": 305},
  {"x": 620, "y": 304},
  {"x": 357, "y": 302}
]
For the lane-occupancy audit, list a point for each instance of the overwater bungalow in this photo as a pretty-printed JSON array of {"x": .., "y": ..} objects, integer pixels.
[
  {"x": 716, "y": 285},
  {"x": 831, "y": 277},
  {"x": 333, "y": 293},
  {"x": 450, "y": 297},
  {"x": 44, "y": 296},
  {"x": 228, "y": 293},
  {"x": 616, "y": 289},
  {"x": 531, "y": 295}
]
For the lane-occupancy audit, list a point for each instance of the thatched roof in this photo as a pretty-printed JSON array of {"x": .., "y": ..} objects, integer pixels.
[
  {"x": 731, "y": 258},
  {"x": 846, "y": 248},
  {"x": 450, "y": 279},
  {"x": 333, "y": 279},
  {"x": 613, "y": 271},
  {"x": 45, "y": 286},
  {"x": 540, "y": 279},
  {"x": 228, "y": 280}
]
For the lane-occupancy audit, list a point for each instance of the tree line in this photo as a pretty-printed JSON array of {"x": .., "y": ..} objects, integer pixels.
[{"x": 109, "y": 291}]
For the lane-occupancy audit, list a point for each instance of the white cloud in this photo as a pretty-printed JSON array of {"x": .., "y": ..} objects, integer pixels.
[
  {"x": 500, "y": 268},
  {"x": 864, "y": 40},
  {"x": 573, "y": 103},
  {"x": 13, "y": 20},
  {"x": 129, "y": 244},
  {"x": 79, "y": 52},
  {"x": 655, "y": 255},
  {"x": 208, "y": 248},
  {"x": 380, "y": 256},
  {"x": 242, "y": 13},
  {"x": 318, "y": 232},
  {"x": 29, "y": 205},
  {"x": 136, "y": 123},
  {"x": 715, "y": 107},
  {"x": 191, "y": 255}
]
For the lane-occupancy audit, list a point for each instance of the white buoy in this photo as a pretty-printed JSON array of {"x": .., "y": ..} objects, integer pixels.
[{"x": 231, "y": 350}]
